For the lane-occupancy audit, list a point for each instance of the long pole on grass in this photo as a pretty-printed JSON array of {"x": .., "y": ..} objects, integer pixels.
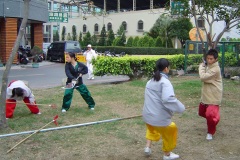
[
  {"x": 54, "y": 120},
  {"x": 69, "y": 126},
  {"x": 37, "y": 104}
]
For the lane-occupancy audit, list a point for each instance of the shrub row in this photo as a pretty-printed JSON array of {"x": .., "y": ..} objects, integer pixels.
[
  {"x": 140, "y": 50},
  {"x": 140, "y": 66}
]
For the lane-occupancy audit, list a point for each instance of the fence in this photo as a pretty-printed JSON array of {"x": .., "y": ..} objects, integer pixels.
[{"x": 195, "y": 47}]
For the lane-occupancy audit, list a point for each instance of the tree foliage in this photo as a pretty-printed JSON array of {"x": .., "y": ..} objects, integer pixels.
[
  {"x": 158, "y": 42},
  {"x": 162, "y": 28},
  {"x": 69, "y": 37},
  {"x": 103, "y": 37},
  {"x": 110, "y": 37},
  {"x": 135, "y": 41},
  {"x": 94, "y": 40},
  {"x": 56, "y": 36},
  {"x": 213, "y": 11},
  {"x": 80, "y": 39},
  {"x": 129, "y": 42},
  {"x": 180, "y": 28},
  {"x": 63, "y": 33},
  {"x": 74, "y": 33},
  {"x": 87, "y": 39},
  {"x": 121, "y": 35}
]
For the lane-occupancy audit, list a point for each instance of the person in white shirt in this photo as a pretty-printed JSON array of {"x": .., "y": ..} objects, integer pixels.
[
  {"x": 90, "y": 54},
  {"x": 17, "y": 90}
]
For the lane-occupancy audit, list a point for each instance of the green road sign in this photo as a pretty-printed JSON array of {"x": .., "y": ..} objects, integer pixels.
[{"x": 58, "y": 17}]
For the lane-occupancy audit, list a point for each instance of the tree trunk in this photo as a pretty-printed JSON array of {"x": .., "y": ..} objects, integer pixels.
[{"x": 3, "y": 123}]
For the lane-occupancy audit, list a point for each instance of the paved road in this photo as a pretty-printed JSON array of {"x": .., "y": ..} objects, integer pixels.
[{"x": 50, "y": 74}]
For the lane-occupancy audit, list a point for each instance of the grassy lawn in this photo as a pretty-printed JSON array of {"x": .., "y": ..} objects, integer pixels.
[{"x": 122, "y": 140}]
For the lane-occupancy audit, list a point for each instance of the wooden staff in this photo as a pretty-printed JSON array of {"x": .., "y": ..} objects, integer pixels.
[
  {"x": 37, "y": 104},
  {"x": 54, "y": 120}
]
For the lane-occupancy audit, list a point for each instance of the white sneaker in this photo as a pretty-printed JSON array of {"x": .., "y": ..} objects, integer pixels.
[
  {"x": 92, "y": 77},
  {"x": 92, "y": 109},
  {"x": 89, "y": 77},
  {"x": 147, "y": 151},
  {"x": 209, "y": 136},
  {"x": 64, "y": 110},
  {"x": 171, "y": 156},
  {"x": 39, "y": 113}
]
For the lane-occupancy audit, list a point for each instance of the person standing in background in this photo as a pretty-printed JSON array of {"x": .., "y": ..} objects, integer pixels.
[{"x": 90, "y": 54}]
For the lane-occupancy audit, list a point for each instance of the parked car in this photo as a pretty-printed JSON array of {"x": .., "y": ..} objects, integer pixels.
[{"x": 56, "y": 50}]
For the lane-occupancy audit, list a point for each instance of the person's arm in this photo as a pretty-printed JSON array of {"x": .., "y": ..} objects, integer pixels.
[
  {"x": 28, "y": 93},
  {"x": 68, "y": 72},
  {"x": 9, "y": 93},
  {"x": 206, "y": 76},
  {"x": 169, "y": 100},
  {"x": 82, "y": 69}
]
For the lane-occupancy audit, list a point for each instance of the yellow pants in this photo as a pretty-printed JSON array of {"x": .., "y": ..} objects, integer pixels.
[{"x": 168, "y": 133}]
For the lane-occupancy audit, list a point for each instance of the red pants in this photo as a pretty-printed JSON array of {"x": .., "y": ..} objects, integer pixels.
[
  {"x": 11, "y": 106},
  {"x": 212, "y": 115}
]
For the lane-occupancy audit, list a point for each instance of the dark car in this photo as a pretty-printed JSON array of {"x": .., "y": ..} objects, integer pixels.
[{"x": 56, "y": 50}]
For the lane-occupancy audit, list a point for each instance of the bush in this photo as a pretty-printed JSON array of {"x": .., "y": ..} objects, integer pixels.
[
  {"x": 134, "y": 67},
  {"x": 140, "y": 50},
  {"x": 139, "y": 66}
]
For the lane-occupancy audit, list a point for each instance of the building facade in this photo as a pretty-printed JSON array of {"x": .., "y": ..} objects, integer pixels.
[
  {"x": 11, "y": 15},
  {"x": 136, "y": 20}
]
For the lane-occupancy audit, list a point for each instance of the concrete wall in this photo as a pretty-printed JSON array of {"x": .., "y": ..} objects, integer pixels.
[
  {"x": 131, "y": 18},
  {"x": 15, "y": 8}
]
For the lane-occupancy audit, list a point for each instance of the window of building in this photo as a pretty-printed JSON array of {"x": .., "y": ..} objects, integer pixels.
[
  {"x": 55, "y": 29},
  {"x": 56, "y": 6},
  {"x": 48, "y": 28},
  {"x": 49, "y": 6},
  {"x": 96, "y": 28},
  {"x": 140, "y": 25},
  {"x": 124, "y": 25},
  {"x": 201, "y": 22},
  {"x": 109, "y": 26},
  {"x": 84, "y": 28},
  {"x": 65, "y": 8},
  {"x": 75, "y": 9}
]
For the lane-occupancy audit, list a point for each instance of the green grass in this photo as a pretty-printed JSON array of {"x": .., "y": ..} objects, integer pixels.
[{"x": 122, "y": 139}]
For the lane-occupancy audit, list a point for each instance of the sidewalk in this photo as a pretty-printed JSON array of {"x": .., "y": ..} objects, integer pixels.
[{"x": 29, "y": 65}]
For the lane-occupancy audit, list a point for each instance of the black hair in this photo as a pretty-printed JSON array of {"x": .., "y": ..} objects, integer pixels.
[
  {"x": 72, "y": 55},
  {"x": 161, "y": 64},
  {"x": 213, "y": 52},
  {"x": 17, "y": 92}
]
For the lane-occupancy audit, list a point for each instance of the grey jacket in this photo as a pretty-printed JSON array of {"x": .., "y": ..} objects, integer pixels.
[{"x": 160, "y": 102}]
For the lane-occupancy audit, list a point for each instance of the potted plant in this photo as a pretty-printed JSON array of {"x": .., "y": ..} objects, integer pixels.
[{"x": 36, "y": 52}]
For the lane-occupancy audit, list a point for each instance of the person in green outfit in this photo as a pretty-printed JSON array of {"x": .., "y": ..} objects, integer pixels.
[{"x": 74, "y": 71}]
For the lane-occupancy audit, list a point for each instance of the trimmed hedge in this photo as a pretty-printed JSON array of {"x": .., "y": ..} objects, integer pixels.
[
  {"x": 140, "y": 50},
  {"x": 132, "y": 66},
  {"x": 139, "y": 66}
]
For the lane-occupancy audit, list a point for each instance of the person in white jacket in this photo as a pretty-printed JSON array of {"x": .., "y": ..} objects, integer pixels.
[
  {"x": 90, "y": 54},
  {"x": 160, "y": 104},
  {"x": 17, "y": 90}
]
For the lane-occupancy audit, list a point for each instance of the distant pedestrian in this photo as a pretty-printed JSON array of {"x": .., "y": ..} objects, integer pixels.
[
  {"x": 16, "y": 91},
  {"x": 160, "y": 104},
  {"x": 74, "y": 71},
  {"x": 90, "y": 55},
  {"x": 211, "y": 97}
]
